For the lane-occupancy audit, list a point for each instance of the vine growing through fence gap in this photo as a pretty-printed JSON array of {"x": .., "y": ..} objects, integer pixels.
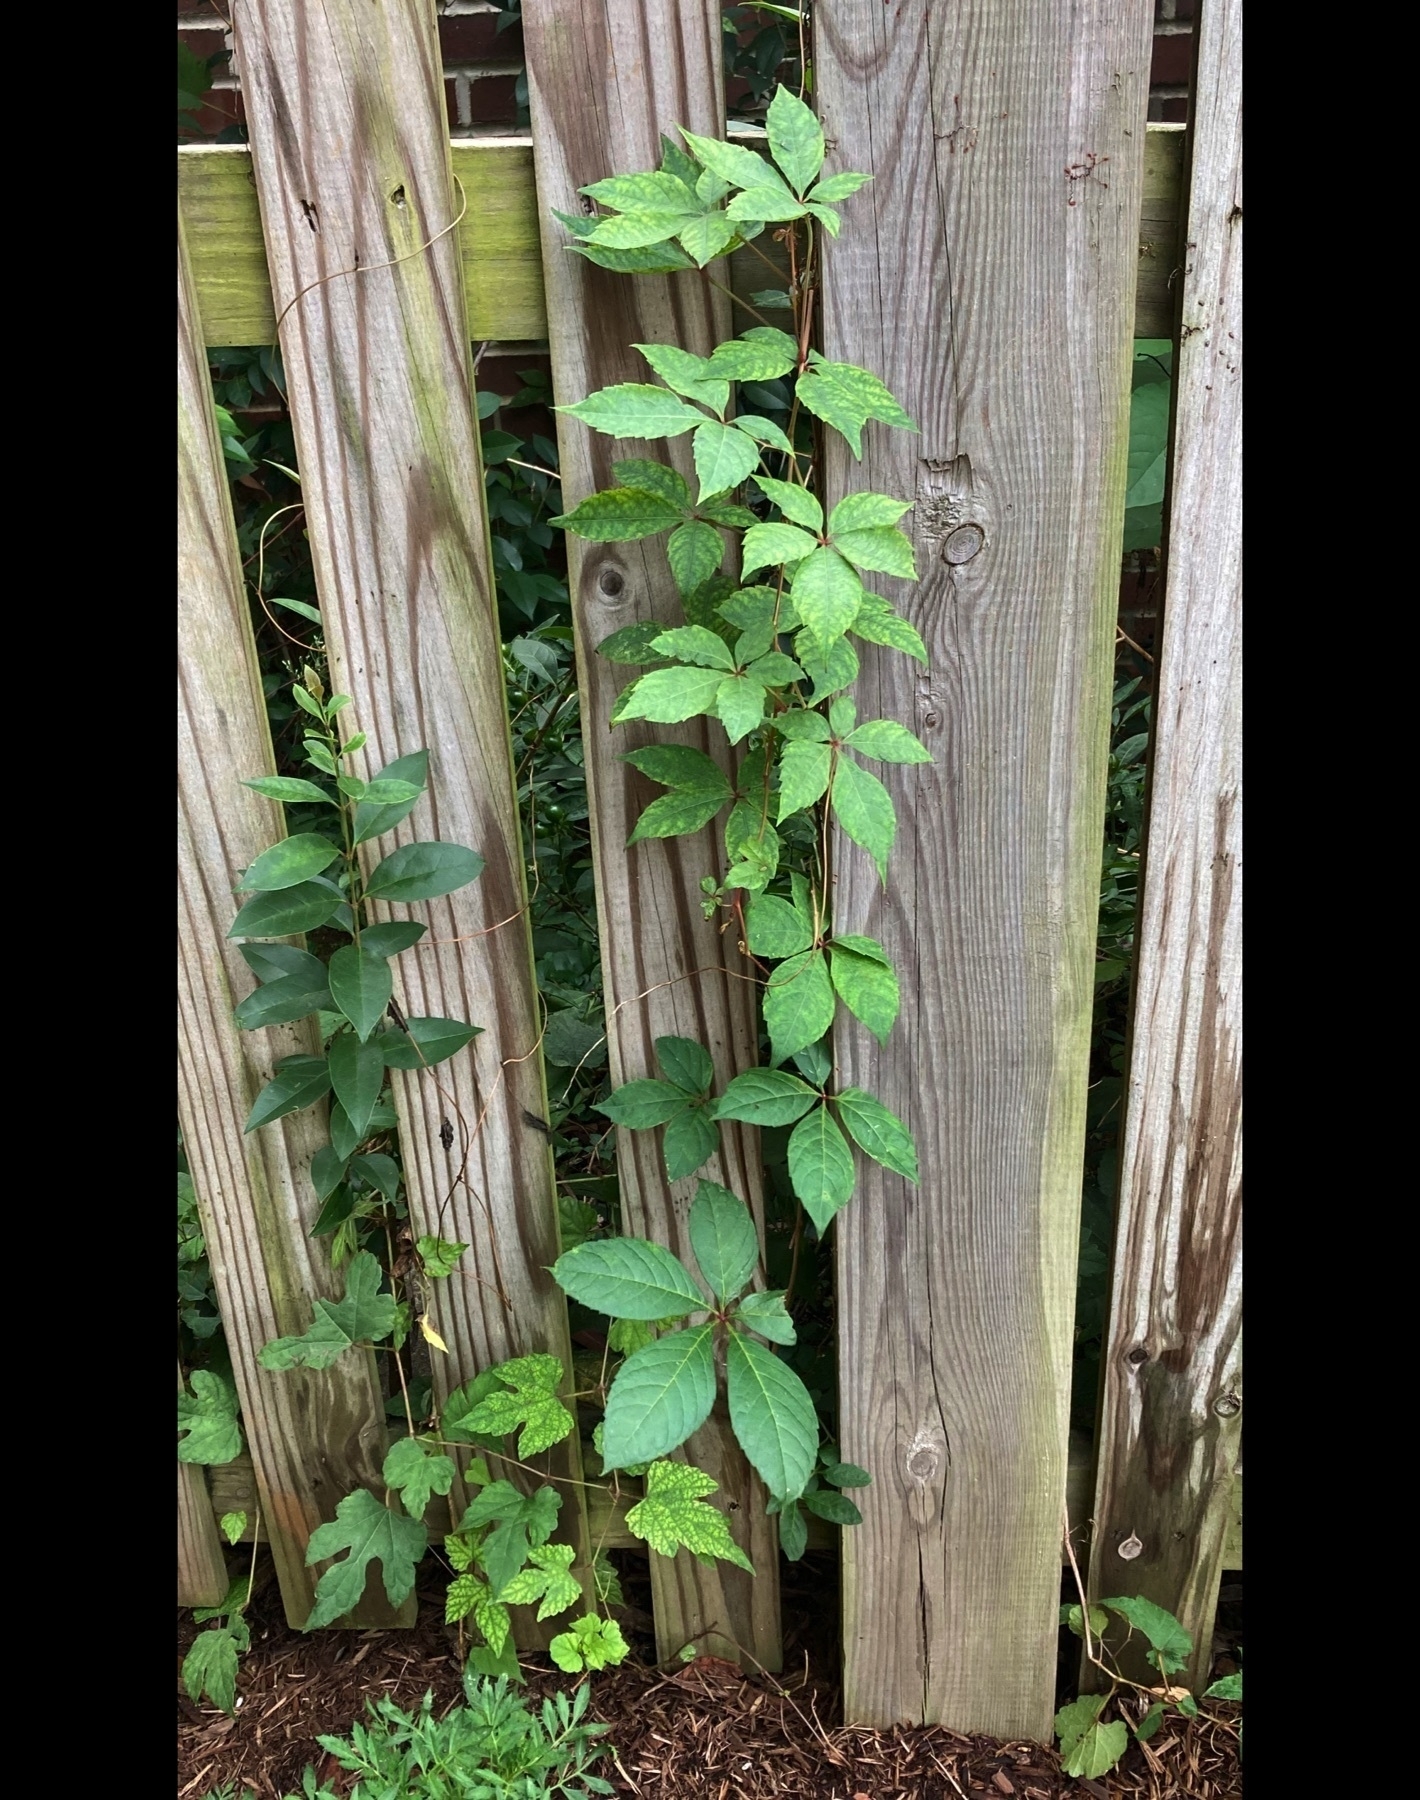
[{"x": 771, "y": 660}]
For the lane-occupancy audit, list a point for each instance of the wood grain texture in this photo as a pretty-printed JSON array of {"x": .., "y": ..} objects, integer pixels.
[
  {"x": 345, "y": 111},
  {"x": 605, "y": 81},
  {"x": 501, "y": 249},
  {"x": 988, "y": 279},
  {"x": 315, "y": 1435},
  {"x": 202, "y": 1568},
  {"x": 1170, "y": 1431}
]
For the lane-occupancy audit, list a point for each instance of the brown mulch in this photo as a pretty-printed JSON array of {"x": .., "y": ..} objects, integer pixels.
[{"x": 696, "y": 1732}]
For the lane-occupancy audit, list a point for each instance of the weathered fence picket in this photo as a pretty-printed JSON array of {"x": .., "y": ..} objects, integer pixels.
[
  {"x": 315, "y": 1435},
  {"x": 202, "y": 1569},
  {"x": 992, "y": 288},
  {"x": 1170, "y": 1417},
  {"x": 357, "y": 204},
  {"x": 654, "y": 64}
]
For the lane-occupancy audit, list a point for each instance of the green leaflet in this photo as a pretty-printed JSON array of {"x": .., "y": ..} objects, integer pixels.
[
  {"x": 525, "y": 1398},
  {"x": 877, "y": 1132},
  {"x": 666, "y": 696},
  {"x": 687, "y": 374},
  {"x": 642, "y": 1105},
  {"x": 772, "y": 1415},
  {"x": 775, "y": 928},
  {"x": 838, "y": 187},
  {"x": 1086, "y": 1747},
  {"x": 827, "y": 595},
  {"x": 634, "y": 410},
  {"x": 724, "y": 1239},
  {"x": 390, "y": 939},
  {"x": 766, "y": 546},
  {"x": 862, "y": 512},
  {"x": 549, "y": 1581},
  {"x": 423, "y": 872},
  {"x": 695, "y": 552},
  {"x": 877, "y": 623},
  {"x": 292, "y": 861},
  {"x": 424, "y": 1042},
  {"x": 521, "y": 1522},
  {"x": 839, "y": 669},
  {"x": 748, "y": 359},
  {"x": 765, "y": 1097},
  {"x": 653, "y": 478},
  {"x": 372, "y": 821},
  {"x": 439, "y": 1257},
  {"x": 724, "y": 456},
  {"x": 798, "y": 1003},
  {"x": 1172, "y": 1645},
  {"x": 674, "y": 1515},
  {"x": 210, "y": 1666},
  {"x": 691, "y": 1139},
  {"x": 887, "y": 741},
  {"x": 357, "y": 1073},
  {"x": 287, "y": 912},
  {"x": 283, "y": 1000},
  {"x": 820, "y": 1166},
  {"x": 731, "y": 162},
  {"x": 363, "y": 1315},
  {"x": 620, "y": 515},
  {"x": 592, "y": 1643},
  {"x": 299, "y": 1081},
  {"x": 863, "y": 808},
  {"x": 369, "y": 1533},
  {"x": 867, "y": 987},
  {"x": 632, "y": 644},
  {"x": 797, "y": 504},
  {"x": 207, "y": 1420},
  {"x": 707, "y": 237},
  {"x": 837, "y": 1508},
  {"x": 766, "y": 1314},
  {"x": 699, "y": 788},
  {"x": 687, "y": 1064},
  {"x": 795, "y": 139},
  {"x": 288, "y": 787},
  {"x": 739, "y": 705},
  {"x": 659, "y": 1397},
  {"x": 628, "y": 1278},
  {"x": 881, "y": 547},
  {"x": 418, "y": 1472}
]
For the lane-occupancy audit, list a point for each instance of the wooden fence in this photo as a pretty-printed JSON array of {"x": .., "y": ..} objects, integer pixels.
[{"x": 1023, "y": 226}]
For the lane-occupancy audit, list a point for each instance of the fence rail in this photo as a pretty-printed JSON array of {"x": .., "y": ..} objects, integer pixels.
[{"x": 376, "y": 253}]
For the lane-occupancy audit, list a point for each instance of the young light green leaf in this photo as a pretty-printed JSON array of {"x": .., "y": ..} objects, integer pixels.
[
  {"x": 654, "y": 478},
  {"x": 878, "y": 1132},
  {"x": 695, "y": 552},
  {"x": 795, "y": 138},
  {"x": 210, "y": 1667},
  {"x": 838, "y": 187},
  {"x": 881, "y": 547},
  {"x": 418, "y": 1472},
  {"x": 232, "y": 1525},
  {"x": 731, "y": 162},
  {"x": 369, "y": 1533},
  {"x": 424, "y": 1042},
  {"x": 877, "y": 623},
  {"x": 287, "y": 912},
  {"x": 798, "y": 1003},
  {"x": 687, "y": 374},
  {"x": 299, "y": 1081},
  {"x": 796, "y": 503},
  {"x": 743, "y": 359},
  {"x": 827, "y": 595},
  {"x": 674, "y": 1515},
  {"x": 766, "y": 1314},
  {"x": 765, "y": 430},
  {"x": 619, "y": 516},
  {"x": 776, "y": 929},
  {"x": 739, "y": 706},
  {"x": 752, "y": 845},
  {"x": 207, "y": 1420},
  {"x": 549, "y": 1580},
  {"x": 887, "y": 741},
  {"x": 688, "y": 1065},
  {"x": 1086, "y": 1747},
  {"x": 640, "y": 229},
  {"x": 360, "y": 985},
  {"x": 694, "y": 644},
  {"x": 724, "y": 456},
  {"x": 772, "y": 1415},
  {"x": 766, "y": 546},
  {"x": 642, "y": 1105},
  {"x": 707, "y": 237},
  {"x": 357, "y": 1073},
  {"x": 863, "y": 512},
  {"x": 867, "y": 987},
  {"x": 628, "y": 1278},
  {"x": 691, "y": 1139},
  {"x": 592, "y": 1643},
  {"x": 868, "y": 392},
  {"x": 1227, "y": 1687},
  {"x": 635, "y": 410},
  {"x": 862, "y": 806},
  {"x": 526, "y": 1397},
  {"x": 652, "y": 191},
  {"x": 438, "y": 1256},
  {"x": 820, "y": 1166},
  {"x": 765, "y": 1097},
  {"x": 373, "y": 821},
  {"x": 423, "y": 872},
  {"x": 1074, "y": 1618},
  {"x": 659, "y": 1397},
  {"x": 289, "y": 788},
  {"x": 364, "y": 1315},
  {"x": 1172, "y": 1645},
  {"x": 666, "y": 696},
  {"x": 724, "y": 1240}
]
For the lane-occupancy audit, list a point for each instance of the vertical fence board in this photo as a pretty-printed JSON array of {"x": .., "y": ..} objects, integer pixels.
[
  {"x": 315, "y": 1435},
  {"x": 1170, "y": 1419},
  {"x": 202, "y": 1569},
  {"x": 605, "y": 81},
  {"x": 987, "y": 275},
  {"x": 346, "y": 116}
]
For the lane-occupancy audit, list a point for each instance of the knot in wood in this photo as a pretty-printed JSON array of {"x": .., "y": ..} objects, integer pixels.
[
  {"x": 963, "y": 543},
  {"x": 611, "y": 582},
  {"x": 1227, "y": 1405},
  {"x": 923, "y": 1457},
  {"x": 1131, "y": 1547}
]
